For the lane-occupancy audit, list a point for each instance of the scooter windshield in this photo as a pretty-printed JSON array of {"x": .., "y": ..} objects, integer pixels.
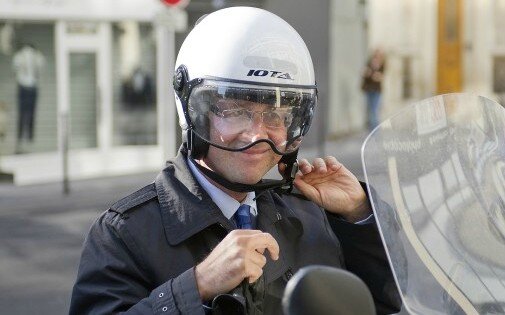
[{"x": 436, "y": 172}]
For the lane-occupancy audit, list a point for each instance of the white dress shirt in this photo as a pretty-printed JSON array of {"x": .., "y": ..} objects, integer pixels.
[{"x": 225, "y": 203}]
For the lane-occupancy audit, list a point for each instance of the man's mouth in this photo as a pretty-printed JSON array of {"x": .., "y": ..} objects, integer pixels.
[{"x": 254, "y": 150}]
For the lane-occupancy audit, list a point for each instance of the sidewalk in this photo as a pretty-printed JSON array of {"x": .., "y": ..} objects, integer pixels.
[{"x": 41, "y": 231}]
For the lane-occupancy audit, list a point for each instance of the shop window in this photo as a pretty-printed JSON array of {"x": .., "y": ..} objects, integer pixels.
[
  {"x": 28, "y": 106},
  {"x": 134, "y": 83}
]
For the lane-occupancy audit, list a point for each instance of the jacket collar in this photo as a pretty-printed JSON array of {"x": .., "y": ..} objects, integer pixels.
[{"x": 187, "y": 209}]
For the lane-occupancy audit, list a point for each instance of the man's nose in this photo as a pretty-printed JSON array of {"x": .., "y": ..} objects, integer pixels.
[
  {"x": 257, "y": 130},
  {"x": 257, "y": 119}
]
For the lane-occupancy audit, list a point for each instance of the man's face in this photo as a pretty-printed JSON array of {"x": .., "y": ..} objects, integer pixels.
[{"x": 236, "y": 129}]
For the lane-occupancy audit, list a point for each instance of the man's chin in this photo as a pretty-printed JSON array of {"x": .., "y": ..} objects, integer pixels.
[{"x": 246, "y": 180}]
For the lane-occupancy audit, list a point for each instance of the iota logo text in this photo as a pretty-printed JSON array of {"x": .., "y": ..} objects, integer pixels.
[{"x": 270, "y": 73}]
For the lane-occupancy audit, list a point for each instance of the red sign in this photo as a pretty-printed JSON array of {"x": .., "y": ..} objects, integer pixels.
[{"x": 175, "y": 3}]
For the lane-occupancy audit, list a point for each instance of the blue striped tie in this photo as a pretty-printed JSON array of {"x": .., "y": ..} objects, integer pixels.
[{"x": 243, "y": 217}]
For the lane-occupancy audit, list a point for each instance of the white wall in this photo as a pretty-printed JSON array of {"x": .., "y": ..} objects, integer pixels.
[
  {"x": 79, "y": 9},
  {"x": 479, "y": 46},
  {"x": 347, "y": 110},
  {"x": 401, "y": 29},
  {"x": 405, "y": 29},
  {"x": 409, "y": 28}
]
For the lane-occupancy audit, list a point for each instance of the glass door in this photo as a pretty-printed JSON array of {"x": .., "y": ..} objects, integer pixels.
[{"x": 83, "y": 111}]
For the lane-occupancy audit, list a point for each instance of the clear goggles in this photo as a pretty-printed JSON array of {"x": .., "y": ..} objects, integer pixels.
[{"x": 236, "y": 116}]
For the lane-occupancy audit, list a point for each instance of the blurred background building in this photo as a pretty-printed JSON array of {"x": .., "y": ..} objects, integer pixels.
[
  {"x": 96, "y": 92},
  {"x": 436, "y": 47},
  {"x": 93, "y": 78},
  {"x": 104, "y": 72}
]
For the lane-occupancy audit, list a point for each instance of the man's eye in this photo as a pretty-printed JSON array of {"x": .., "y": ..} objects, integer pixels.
[
  {"x": 227, "y": 105},
  {"x": 230, "y": 113},
  {"x": 272, "y": 119},
  {"x": 271, "y": 115}
]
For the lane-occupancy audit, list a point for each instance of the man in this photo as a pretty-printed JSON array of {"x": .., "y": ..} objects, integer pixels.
[
  {"x": 372, "y": 79},
  {"x": 210, "y": 235}
]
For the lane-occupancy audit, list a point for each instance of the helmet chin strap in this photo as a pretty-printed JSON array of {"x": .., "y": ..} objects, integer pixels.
[
  {"x": 265, "y": 184},
  {"x": 284, "y": 186}
]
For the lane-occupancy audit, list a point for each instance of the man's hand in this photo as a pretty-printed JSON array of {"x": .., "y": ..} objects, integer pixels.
[
  {"x": 237, "y": 257},
  {"x": 332, "y": 186}
]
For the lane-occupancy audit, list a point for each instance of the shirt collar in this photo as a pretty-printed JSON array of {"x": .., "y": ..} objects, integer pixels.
[{"x": 225, "y": 203}]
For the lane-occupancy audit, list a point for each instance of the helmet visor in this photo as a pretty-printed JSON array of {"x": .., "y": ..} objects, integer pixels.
[{"x": 235, "y": 116}]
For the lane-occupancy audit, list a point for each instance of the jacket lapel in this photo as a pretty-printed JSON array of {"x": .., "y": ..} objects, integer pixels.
[{"x": 186, "y": 208}]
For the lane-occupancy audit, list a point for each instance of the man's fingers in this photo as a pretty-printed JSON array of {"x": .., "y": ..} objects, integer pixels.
[
  {"x": 258, "y": 259},
  {"x": 265, "y": 240},
  {"x": 332, "y": 163},
  {"x": 319, "y": 165},
  {"x": 305, "y": 167},
  {"x": 245, "y": 232},
  {"x": 253, "y": 273}
]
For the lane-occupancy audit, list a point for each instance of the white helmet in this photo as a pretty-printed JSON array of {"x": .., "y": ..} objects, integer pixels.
[
  {"x": 238, "y": 64},
  {"x": 229, "y": 43}
]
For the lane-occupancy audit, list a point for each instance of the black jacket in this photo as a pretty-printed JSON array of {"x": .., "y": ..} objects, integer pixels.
[{"x": 139, "y": 256}]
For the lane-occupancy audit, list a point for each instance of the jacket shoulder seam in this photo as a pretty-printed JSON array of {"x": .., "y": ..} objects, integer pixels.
[{"x": 135, "y": 199}]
